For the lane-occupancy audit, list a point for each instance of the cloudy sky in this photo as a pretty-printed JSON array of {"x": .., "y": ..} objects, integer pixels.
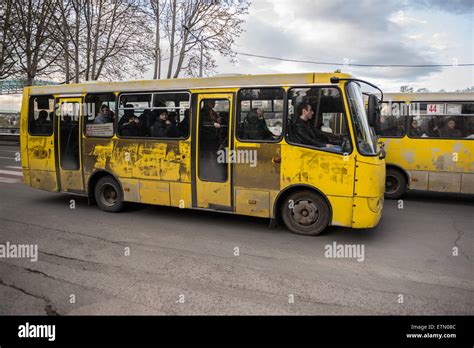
[
  {"x": 364, "y": 32},
  {"x": 360, "y": 32}
]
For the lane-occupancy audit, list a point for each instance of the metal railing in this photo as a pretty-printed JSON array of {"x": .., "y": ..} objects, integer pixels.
[{"x": 10, "y": 131}]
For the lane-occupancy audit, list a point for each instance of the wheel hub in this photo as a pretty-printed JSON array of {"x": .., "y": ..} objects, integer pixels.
[
  {"x": 109, "y": 194},
  {"x": 305, "y": 212},
  {"x": 391, "y": 184}
]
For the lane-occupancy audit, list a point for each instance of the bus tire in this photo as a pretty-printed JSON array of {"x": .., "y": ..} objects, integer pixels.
[
  {"x": 108, "y": 195},
  {"x": 305, "y": 212},
  {"x": 395, "y": 184}
]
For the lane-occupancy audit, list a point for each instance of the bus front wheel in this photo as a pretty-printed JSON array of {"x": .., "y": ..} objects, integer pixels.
[
  {"x": 395, "y": 184},
  {"x": 305, "y": 212},
  {"x": 108, "y": 195}
]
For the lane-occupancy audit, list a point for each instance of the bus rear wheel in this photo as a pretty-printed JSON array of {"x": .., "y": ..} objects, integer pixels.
[
  {"x": 305, "y": 212},
  {"x": 108, "y": 195},
  {"x": 395, "y": 184}
]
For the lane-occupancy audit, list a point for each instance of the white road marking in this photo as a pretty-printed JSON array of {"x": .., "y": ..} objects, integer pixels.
[
  {"x": 10, "y": 158},
  {"x": 14, "y": 167},
  {"x": 9, "y": 180},
  {"x": 11, "y": 172}
]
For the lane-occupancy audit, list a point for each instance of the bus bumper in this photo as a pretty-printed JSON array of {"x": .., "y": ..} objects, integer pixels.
[{"x": 367, "y": 211}]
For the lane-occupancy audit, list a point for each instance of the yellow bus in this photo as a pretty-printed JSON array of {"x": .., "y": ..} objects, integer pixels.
[
  {"x": 429, "y": 142},
  {"x": 290, "y": 147}
]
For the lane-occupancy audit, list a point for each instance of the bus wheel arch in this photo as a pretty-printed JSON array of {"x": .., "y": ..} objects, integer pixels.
[
  {"x": 99, "y": 177},
  {"x": 316, "y": 199},
  {"x": 396, "y": 182}
]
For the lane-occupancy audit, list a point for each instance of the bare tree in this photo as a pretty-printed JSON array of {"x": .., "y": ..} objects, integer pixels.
[
  {"x": 172, "y": 31},
  {"x": 7, "y": 58},
  {"x": 32, "y": 38},
  {"x": 102, "y": 38},
  {"x": 157, "y": 11},
  {"x": 196, "y": 28},
  {"x": 114, "y": 38},
  {"x": 68, "y": 29}
]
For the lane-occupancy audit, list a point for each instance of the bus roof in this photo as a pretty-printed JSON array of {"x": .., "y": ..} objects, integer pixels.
[
  {"x": 447, "y": 96},
  {"x": 189, "y": 83}
]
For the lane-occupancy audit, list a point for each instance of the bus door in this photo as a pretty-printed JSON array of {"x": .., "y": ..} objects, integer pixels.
[
  {"x": 68, "y": 145},
  {"x": 213, "y": 144}
]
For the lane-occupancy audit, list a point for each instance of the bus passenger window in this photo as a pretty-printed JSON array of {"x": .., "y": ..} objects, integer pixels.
[
  {"x": 69, "y": 135},
  {"x": 134, "y": 114},
  {"x": 213, "y": 138},
  {"x": 100, "y": 113},
  {"x": 40, "y": 115},
  {"x": 171, "y": 115},
  {"x": 156, "y": 115},
  {"x": 463, "y": 115},
  {"x": 316, "y": 118},
  {"x": 440, "y": 120},
  {"x": 260, "y": 115},
  {"x": 392, "y": 120}
]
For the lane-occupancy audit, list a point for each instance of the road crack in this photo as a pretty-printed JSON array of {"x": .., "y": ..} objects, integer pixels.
[
  {"x": 48, "y": 308},
  {"x": 460, "y": 233}
]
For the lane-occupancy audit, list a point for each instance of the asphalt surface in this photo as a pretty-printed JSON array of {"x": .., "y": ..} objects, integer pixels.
[{"x": 184, "y": 262}]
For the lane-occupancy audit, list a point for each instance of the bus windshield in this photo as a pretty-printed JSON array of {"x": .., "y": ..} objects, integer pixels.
[{"x": 365, "y": 142}]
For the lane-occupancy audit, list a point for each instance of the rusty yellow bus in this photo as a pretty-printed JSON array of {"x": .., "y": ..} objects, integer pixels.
[
  {"x": 429, "y": 141},
  {"x": 295, "y": 148}
]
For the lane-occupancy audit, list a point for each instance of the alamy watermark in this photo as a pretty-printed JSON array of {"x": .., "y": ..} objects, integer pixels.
[
  {"x": 237, "y": 156},
  {"x": 19, "y": 251},
  {"x": 345, "y": 251},
  {"x": 37, "y": 331}
]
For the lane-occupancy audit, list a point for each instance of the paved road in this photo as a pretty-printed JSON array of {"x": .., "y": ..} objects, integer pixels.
[{"x": 183, "y": 262}]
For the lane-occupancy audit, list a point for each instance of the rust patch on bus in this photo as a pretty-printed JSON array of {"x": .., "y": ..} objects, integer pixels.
[
  {"x": 168, "y": 160},
  {"x": 408, "y": 155},
  {"x": 266, "y": 173}
]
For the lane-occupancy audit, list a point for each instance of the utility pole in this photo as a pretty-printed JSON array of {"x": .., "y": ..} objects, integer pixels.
[{"x": 202, "y": 49}]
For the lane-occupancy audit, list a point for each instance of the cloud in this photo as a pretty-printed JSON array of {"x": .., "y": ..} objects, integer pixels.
[
  {"x": 367, "y": 32},
  {"x": 402, "y": 20},
  {"x": 452, "y": 6}
]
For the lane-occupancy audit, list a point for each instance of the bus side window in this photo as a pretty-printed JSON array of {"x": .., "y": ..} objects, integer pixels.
[
  {"x": 134, "y": 115},
  {"x": 316, "y": 118},
  {"x": 40, "y": 115},
  {"x": 392, "y": 120},
  {"x": 260, "y": 115},
  {"x": 171, "y": 115},
  {"x": 156, "y": 115},
  {"x": 99, "y": 112}
]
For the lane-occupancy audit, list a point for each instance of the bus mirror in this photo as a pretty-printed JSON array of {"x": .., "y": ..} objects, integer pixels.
[{"x": 373, "y": 111}]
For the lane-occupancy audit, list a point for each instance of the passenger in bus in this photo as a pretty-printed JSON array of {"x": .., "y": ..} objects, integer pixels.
[
  {"x": 130, "y": 125},
  {"x": 254, "y": 126},
  {"x": 183, "y": 126},
  {"x": 172, "y": 118},
  {"x": 147, "y": 118},
  {"x": 415, "y": 130},
  {"x": 163, "y": 128},
  {"x": 133, "y": 128},
  {"x": 104, "y": 116},
  {"x": 209, "y": 116},
  {"x": 263, "y": 127},
  {"x": 42, "y": 125},
  {"x": 303, "y": 132},
  {"x": 450, "y": 130}
]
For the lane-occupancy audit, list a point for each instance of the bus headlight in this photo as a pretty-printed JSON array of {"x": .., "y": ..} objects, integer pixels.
[{"x": 375, "y": 204}]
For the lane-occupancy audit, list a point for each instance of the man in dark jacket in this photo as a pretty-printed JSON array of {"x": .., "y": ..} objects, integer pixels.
[
  {"x": 303, "y": 132},
  {"x": 255, "y": 128}
]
